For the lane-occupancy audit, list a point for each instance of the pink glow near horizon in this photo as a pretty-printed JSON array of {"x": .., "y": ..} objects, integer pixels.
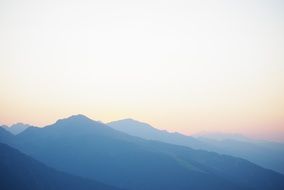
[{"x": 185, "y": 66}]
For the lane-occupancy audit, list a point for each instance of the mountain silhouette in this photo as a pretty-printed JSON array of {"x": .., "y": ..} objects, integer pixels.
[
  {"x": 17, "y": 128},
  {"x": 266, "y": 154},
  {"x": 91, "y": 149},
  {"x": 146, "y": 131},
  {"x": 21, "y": 172}
]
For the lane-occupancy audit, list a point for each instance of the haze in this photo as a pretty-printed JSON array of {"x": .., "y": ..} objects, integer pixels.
[{"x": 187, "y": 66}]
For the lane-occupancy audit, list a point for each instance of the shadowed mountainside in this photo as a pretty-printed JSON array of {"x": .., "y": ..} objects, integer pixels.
[
  {"x": 21, "y": 172},
  {"x": 266, "y": 154}
]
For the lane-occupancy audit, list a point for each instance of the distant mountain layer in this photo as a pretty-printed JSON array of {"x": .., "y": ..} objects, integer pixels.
[
  {"x": 17, "y": 128},
  {"x": 267, "y": 154},
  {"x": 21, "y": 172},
  {"x": 146, "y": 131},
  {"x": 222, "y": 136},
  {"x": 81, "y": 146}
]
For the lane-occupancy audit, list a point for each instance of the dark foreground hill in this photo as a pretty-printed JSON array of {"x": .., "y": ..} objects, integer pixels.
[{"x": 21, "y": 172}]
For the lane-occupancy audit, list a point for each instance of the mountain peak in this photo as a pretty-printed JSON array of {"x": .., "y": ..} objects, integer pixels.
[
  {"x": 74, "y": 126},
  {"x": 19, "y": 123},
  {"x": 76, "y": 121},
  {"x": 128, "y": 119},
  {"x": 18, "y": 128},
  {"x": 131, "y": 123},
  {"x": 78, "y": 117},
  {"x": 75, "y": 118}
]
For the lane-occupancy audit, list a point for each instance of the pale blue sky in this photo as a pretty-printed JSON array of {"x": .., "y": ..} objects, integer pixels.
[{"x": 184, "y": 66}]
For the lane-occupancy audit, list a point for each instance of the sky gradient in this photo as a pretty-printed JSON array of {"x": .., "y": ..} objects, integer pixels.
[{"x": 187, "y": 66}]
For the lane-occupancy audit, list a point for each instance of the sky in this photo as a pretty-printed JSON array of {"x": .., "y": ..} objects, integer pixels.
[{"x": 180, "y": 65}]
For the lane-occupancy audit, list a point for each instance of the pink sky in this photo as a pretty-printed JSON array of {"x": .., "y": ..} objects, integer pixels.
[{"x": 179, "y": 65}]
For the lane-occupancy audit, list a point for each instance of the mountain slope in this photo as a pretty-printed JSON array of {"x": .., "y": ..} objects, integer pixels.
[
  {"x": 146, "y": 131},
  {"x": 268, "y": 155},
  {"x": 84, "y": 147},
  {"x": 17, "y": 128},
  {"x": 6, "y": 136},
  {"x": 20, "y": 172}
]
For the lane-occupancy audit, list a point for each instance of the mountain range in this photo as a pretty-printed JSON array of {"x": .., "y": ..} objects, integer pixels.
[
  {"x": 90, "y": 149},
  {"x": 16, "y": 128},
  {"x": 266, "y": 154}
]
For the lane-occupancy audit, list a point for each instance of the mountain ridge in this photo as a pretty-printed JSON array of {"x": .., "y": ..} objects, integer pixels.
[
  {"x": 267, "y": 154},
  {"x": 105, "y": 154}
]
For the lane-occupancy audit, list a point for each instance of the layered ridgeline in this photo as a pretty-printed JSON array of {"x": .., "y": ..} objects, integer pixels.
[
  {"x": 266, "y": 154},
  {"x": 17, "y": 128},
  {"x": 81, "y": 146},
  {"x": 21, "y": 172}
]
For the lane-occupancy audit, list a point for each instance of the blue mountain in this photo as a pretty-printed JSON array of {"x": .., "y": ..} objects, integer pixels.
[
  {"x": 266, "y": 154},
  {"x": 21, "y": 172},
  {"x": 17, "y": 128},
  {"x": 91, "y": 149},
  {"x": 6, "y": 136},
  {"x": 146, "y": 131}
]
